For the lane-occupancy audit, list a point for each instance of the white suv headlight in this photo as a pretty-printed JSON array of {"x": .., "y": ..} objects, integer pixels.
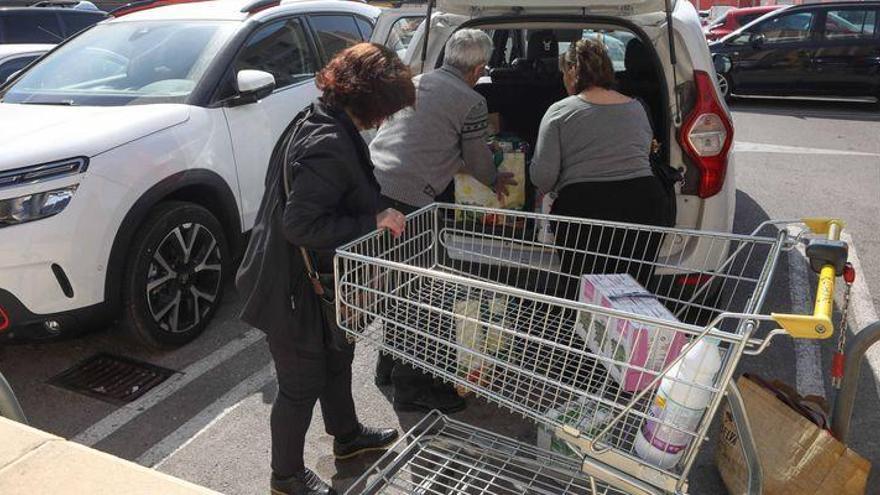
[{"x": 35, "y": 206}]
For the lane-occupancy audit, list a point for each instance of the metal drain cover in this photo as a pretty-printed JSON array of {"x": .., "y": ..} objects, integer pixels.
[{"x": 113, "y": 379}]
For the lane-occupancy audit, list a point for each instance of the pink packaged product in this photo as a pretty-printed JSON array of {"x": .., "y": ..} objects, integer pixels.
[{"x": 630, "y": 344}]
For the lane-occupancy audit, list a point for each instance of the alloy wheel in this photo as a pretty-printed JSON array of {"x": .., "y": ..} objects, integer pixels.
[
  {"x": 723, "y": 85},
  {"x": 184, "y": 278}
]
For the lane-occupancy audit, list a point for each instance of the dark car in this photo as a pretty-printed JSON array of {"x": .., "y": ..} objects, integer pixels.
[
  {"x": 821, "y": 50},
  {"x": 44, "y": 24}
]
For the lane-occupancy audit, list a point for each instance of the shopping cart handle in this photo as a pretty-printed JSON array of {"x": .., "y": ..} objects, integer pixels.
[{"x": 818, "y": 325}]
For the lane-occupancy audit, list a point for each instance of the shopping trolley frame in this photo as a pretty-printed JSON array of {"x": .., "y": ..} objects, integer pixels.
[{"x": 365, "y": 269}]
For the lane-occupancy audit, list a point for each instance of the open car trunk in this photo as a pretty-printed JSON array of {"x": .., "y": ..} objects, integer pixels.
[{"x": 524, "y": 78}]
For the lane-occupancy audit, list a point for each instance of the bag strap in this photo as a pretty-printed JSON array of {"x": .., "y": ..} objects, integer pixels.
[{"x": 317, "y": 286}]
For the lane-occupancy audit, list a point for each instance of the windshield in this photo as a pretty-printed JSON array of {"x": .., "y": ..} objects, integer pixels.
[{"x": 124, "y": 63}]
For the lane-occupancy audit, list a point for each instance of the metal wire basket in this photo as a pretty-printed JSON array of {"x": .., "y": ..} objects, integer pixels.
[
  {"x": 443, "y": 456},
  {"x": 488, "y": 300}
]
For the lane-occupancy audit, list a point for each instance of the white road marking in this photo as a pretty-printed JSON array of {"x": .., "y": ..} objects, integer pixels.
[
  {"x": 808, "y": 356},
  {"x": 745, "y": 147},
  {"x": 119, "y": 418},
  {"x": 201, "y": 422}
]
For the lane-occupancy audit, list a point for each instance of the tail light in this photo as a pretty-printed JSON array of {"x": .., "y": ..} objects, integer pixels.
[
  {"x": 706, "y": 136},
  {"x": 4, "y": 320}
]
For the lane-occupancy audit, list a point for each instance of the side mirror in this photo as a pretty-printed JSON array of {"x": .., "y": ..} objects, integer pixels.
[
  {"x": 253, "y": 86},
  {"x": 757, "y": 40},
  {"x": 722, "y": 63}
]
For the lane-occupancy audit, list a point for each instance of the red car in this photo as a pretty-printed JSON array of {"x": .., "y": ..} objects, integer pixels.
[{"x": 734, "y": 19}]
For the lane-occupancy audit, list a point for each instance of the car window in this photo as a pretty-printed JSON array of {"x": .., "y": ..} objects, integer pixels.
[
  {"x": 614, "y": 42},
  {"x": 747, "y": 18},
  {"x": 12, "y": 66},
  {"x": 365, "y": 26},
  {"x": 717, "y": 23},
  {"x": 124, "y": 63},
  {"x": 335, "y": 33},
  {"x": 850, "y": 24},
  {"x": 75, "y": 22},
  {"x": 401, "y": 34},
  {"x": 31, "y": 27},
  {"x": 281, "y": 49},
  {"x": 786, "y": 28}
]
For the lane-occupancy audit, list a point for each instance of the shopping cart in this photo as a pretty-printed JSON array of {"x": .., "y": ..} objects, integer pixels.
[{"x": 508, "y": 275}]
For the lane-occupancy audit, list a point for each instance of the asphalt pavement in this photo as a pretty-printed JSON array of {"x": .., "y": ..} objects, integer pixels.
[{"x": 209, "y": 423}]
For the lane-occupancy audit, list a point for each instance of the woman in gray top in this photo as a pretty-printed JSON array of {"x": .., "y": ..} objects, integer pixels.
[{"x": 593, "y": 151}]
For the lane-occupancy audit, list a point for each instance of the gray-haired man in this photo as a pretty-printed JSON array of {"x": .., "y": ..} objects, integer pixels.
[{"x": 417, "y": 153}]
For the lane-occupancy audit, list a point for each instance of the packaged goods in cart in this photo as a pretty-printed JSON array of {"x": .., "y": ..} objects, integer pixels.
[
  {"x": 629, "y": 343},
  {"x": 587, "y": 416},
  {"x": 510, "y": 157},
  {"x": 478, "y": 339},
  {"x": 678, "y": 407}
]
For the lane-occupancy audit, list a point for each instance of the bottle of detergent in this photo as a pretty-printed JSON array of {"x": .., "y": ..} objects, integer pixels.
[{"x": 679, "y": 406}]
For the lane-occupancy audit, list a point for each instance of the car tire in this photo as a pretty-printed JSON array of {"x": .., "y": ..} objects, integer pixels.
[
  {"x": 177, "y": 266},
  {"x": 724, "y": 86}
]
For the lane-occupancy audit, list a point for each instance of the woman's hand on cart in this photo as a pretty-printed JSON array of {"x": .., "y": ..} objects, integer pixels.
[{"x": 392, "y": 221}]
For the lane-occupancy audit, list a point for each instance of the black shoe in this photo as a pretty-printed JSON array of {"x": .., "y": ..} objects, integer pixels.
[
  {"x": 307, "y": 483},
  {"x": 431, "y": 399},
  {"x": 369, "y": 439}
]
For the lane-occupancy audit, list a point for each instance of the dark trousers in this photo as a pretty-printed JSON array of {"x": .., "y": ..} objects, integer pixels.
[
  {"x": 408, "y": 381},
  {"x": 609, "y": 250},
  {"x": 305, "y": 378}
]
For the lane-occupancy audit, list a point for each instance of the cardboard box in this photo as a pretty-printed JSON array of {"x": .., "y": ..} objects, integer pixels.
[
  {"x": 796, "y": 456},
  {"x": 627, "y": 342}
]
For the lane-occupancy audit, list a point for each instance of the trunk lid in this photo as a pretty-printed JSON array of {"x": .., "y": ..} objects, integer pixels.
[{"x": 483, "y": 8}]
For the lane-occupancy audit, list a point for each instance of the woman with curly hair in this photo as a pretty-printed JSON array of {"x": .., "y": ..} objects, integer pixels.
[
  {"x": 326, "y": 197},
  {"x": 593, "y": 151}
]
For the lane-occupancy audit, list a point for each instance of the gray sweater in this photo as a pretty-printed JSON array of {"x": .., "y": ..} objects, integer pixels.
[
  {"x": 584, "y": 142},
  {"x": 417, "y": 152}
]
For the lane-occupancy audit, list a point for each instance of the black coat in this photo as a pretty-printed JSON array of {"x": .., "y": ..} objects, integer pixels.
[{"x": 333, "y": 199}]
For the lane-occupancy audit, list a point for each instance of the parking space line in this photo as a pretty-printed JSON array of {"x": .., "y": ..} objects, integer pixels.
[
  {"x": 745, "y": 147},
  {"x": 119, "y": 418},
  {"x": 207, "y": 417},
  {"x": 807, "y": 353}
]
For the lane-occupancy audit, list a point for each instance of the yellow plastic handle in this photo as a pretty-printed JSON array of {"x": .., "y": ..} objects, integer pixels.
[{"x": 818, "y": 325}]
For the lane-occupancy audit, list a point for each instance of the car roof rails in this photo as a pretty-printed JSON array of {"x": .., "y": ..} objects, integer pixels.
[
  {"x": 139, "y": 5},
  {"x": 55, "y": 3},
  {"x": 258, "y": 5}
]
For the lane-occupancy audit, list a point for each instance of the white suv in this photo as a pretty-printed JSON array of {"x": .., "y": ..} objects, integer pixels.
[
  {"x": 132, "y": 159},
  {"x": 675, "y": 80}
]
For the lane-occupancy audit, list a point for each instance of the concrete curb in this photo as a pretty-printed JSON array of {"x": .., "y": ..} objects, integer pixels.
[{"x": 36, "y": 462}]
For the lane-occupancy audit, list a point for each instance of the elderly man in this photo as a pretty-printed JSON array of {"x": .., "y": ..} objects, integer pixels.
[{"x": 416, "y": 153}]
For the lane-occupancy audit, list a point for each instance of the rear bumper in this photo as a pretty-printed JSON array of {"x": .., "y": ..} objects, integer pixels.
[{"x": 21, "y": 324}]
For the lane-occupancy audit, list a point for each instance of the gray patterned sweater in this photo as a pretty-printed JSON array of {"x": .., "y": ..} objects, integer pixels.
[{"x": 417, "y": 152}]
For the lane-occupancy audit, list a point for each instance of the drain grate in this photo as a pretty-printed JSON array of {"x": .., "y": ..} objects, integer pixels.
[{"x": 113, "y": 379}]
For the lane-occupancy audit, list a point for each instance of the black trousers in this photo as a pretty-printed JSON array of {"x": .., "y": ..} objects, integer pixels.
[
  {"x": 408, "y": 382},
  {"x": 305, "y": 378},
  {"x": 609, "y": 250}
]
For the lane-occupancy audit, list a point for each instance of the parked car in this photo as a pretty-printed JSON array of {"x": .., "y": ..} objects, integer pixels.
[
  {"x": 735, "y": 19},
  {"x": 133, "y": 159},
  {"x": 16, "y": 57},
  {"x": 817, "y": 50},
  {"x": 524, "y": 80},
  {"x": 44, "y": 24}
]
